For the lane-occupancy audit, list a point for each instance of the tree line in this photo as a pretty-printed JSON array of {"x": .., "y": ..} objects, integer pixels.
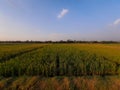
[{"x": 61, "y": 41}]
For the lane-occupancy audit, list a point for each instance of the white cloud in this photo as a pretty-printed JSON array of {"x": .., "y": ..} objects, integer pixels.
[
  {"x": 117, "y": 22},
  {"x": 63, "y": 13}
]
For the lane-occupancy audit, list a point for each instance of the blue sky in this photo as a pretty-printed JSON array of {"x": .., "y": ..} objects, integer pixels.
[{"x": 60, "y": 20}]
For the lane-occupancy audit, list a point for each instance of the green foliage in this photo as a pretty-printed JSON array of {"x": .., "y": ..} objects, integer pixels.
[{"x": 58, "y": 60}]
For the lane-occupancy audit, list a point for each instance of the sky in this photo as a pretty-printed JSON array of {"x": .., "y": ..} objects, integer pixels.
[{"x": 60, "y": 20}]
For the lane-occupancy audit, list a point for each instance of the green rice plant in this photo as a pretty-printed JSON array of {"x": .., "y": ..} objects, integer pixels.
[{"x": 62, "y": 60}]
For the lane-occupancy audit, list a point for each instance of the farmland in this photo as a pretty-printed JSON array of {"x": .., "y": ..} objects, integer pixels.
[{"x": 60, "y": 66}]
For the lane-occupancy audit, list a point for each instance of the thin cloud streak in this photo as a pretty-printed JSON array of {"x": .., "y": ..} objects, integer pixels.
[
  {"x": 12, "y": 3},
  {"x": 117, "y": 22},
  {"x": 19, "y": 5},
  {"x": 63, "y": 13}
]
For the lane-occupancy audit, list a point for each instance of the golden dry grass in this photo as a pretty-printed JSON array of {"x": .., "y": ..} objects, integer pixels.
[{"x": 64, "y": 83}]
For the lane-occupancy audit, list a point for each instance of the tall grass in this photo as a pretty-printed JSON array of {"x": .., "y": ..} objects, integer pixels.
[{"x": 60, "y": 60}]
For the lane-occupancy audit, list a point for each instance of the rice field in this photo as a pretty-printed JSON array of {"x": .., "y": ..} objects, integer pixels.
[{"x": 67, "y": 66}]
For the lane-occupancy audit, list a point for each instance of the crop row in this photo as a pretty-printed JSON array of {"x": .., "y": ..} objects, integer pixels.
[
  {"x": 10, "y": 51},
  {"x": 58, "y": 60}
]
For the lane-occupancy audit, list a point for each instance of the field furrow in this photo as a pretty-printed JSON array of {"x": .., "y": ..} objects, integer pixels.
[
  {"x": 59, "y": 60},
  {"x": 60, "y": 66},
  {"x": 3, "y": 59}
]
